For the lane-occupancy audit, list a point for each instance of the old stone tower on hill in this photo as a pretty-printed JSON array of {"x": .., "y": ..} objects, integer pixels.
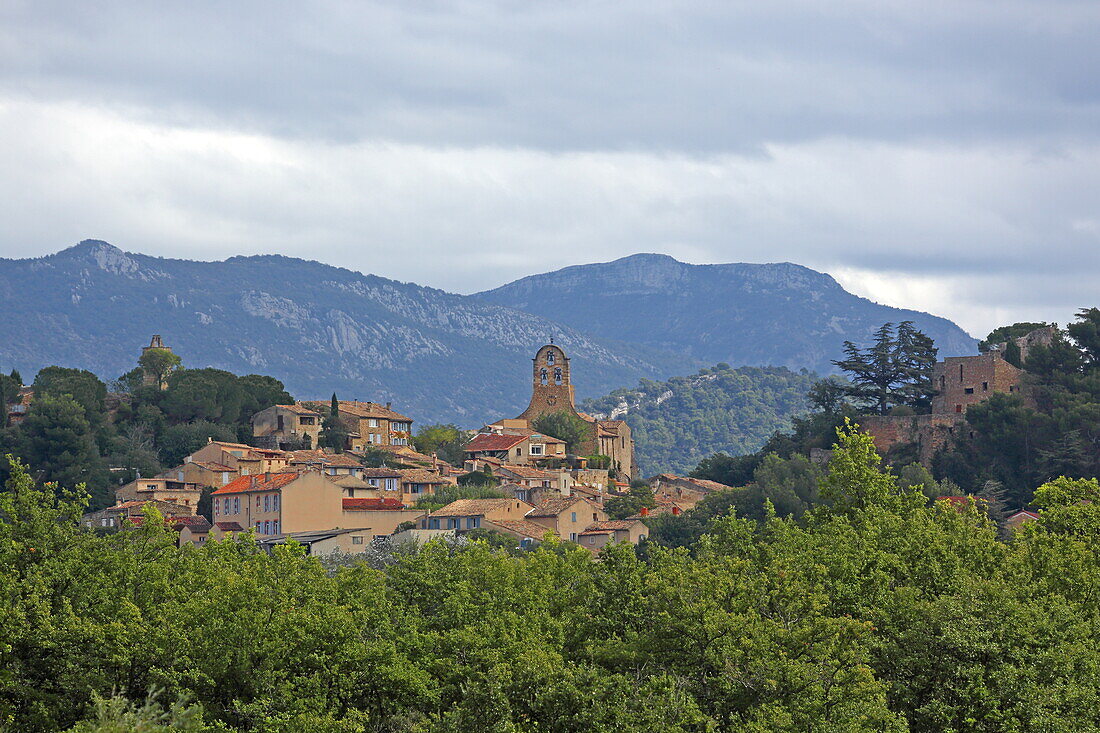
[{"x": 551, "y": 390}]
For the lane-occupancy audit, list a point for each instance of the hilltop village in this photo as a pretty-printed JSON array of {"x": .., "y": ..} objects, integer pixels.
[
  {"x": 339, "y": 476},
  {"x": 284, "y": 486}
]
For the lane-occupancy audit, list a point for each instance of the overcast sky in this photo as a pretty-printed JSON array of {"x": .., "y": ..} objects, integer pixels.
[{"x": 943, "y": 156}]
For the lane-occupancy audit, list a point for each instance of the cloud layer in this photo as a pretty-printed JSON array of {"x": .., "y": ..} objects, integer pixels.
[{"x": 944, "y": 157}]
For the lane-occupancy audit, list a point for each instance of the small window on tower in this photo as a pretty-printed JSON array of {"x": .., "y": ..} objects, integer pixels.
[
  {"x": 557, "y": 375},
  {"x": 542, "y": 376},
  {"x": 985, "y": 386},
  {"x": 969, "y": 390},
  {"x": 550, "y": 357}
]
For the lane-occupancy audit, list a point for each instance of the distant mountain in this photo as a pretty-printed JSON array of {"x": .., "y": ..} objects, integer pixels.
[
  {"x": 741, "y": 314},
  {"x": 678, "y": 422},
  {"x": 318, "y": 328}
]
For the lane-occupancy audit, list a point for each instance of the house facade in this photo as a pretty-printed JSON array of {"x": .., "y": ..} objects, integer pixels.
[{"x": 286, "y": 426}]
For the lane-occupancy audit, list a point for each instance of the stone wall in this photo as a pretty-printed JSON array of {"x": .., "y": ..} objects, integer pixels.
[{"x": 930, "y": 433}]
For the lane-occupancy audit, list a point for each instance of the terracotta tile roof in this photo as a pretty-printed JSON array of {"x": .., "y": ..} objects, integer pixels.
[
  {"x": 521, "y": 527},
  {"x": 478, "y": 507},
  {"x": 493, "y": 442},
  {"x": 261, "y": 482},
  {"x": 371, "y": 409},
  {"x": 613, "y": 525},
  {"x": 336, "y": 460},
  {"x": 212, "y": 466},
  {"x": 381, "y": 473},
  {"x": 229, "y": 526},
  {"x": 420, "y": 476},
  {"x": 365, "y": 505},
  {"x": 300, "y": 409},
  {"x": 557, "y": 505},
  {"x": 540, "y": 438},
  {"x": 196, "y": 522},
  {"x": 235, "y": 446},
  {"x": 525, "y": 471}
]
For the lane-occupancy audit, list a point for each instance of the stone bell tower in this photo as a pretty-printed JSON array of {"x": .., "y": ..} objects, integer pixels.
[{"x": 551, "y": 388}]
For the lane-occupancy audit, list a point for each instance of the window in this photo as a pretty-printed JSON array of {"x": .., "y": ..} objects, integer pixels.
[
  {"x": 257, "y": 503},
  {"x": 1012, "y": 388},
  {"x": 259, "y": 528},
  {"x": 279, "y": 423},
  {"x": 275, "y": 503},
  {"x": 985, "y": 386},
  {"x": 542, "y": 376},
  {"x": 267, "y": 527},
  {"x": 372, "y": 423},
  {"x": 433, "y": 524},
  {"x": 391, "y": 484},
  {"x": 275, "y": 526},
  {"x": 236, "y": 505},
  {"x": 536, "y": 450},
  {"x": 473, "y": 522},
  {"x": 550, "y": 357},
  {"x": 573, "y": 536},
  {"x": 557, "y": 375},
  {"x": 414, "y": 488},
  {"x": 958, "y": 408},
  {"x": 267, "y": 503},
  {"x": 591, "y": 540},
  {"x": 519, "y": 451},
  {"x": 969, "y": 390},
  {"x": 357, "y": 539},
  {"x": 573, "y": 517},
  {"x": 452, "y": 524},
  {"x": 960, "y": 372},
  {"x": 594, "y": 517}
]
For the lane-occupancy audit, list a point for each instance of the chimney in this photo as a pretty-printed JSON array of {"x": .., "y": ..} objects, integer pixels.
[
  {"x": 644, "y": 512},
  {"x": 676, "y": 510},
  {"x": 388, "y": 405}
]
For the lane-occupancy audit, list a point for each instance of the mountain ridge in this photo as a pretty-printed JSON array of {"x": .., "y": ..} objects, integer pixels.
[
  {"x": 771, "y": 314},
  {"x": 440, "y": 355}
]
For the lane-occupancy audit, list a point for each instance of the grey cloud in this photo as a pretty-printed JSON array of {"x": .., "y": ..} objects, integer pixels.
[{"x": 684, "y": 76}]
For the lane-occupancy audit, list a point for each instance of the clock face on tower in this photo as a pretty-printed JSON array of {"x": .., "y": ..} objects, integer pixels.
[{"x": 551, "y": 400}]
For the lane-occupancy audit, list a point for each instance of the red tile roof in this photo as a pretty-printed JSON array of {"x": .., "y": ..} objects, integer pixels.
[
  {"x": 493, "y": 442},
  {"x": 369, "y": 505},
  {"x": 479, "y": 507},
  {"x": 261, "y": 482}
]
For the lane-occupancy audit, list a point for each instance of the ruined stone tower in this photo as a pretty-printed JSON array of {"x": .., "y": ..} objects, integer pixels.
[{"x": 551, "y": 388}]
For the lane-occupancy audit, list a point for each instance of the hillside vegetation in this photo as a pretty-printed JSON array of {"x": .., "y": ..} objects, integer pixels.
[
  {"x": 875, "y": 612},
  {"x": 677, "y": 423}
]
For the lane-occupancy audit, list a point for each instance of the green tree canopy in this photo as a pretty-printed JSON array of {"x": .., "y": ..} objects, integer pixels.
[{"x": 565, "y": 426}]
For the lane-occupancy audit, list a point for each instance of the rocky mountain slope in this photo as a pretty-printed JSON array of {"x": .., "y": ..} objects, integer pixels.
[
  {"x": 742, "y": 314},
  {"x": 436, "y": 355}
]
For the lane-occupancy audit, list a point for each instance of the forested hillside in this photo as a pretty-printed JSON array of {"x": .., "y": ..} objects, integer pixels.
[
  {"x": 878, "y": 611},
  {"x": 677, "y": 423}
]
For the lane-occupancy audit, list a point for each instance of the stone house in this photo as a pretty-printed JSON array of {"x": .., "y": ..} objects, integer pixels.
[
  {"x": 331, "y": 464},
  {"x": 283, "y": 426},
  {"x": 159, "y": 489},
  {"x": 369, "y": 424},
  {"x": 203, "y": 473},
  {"x": 277, "y": 503},
  {"x": 416, "y": 483},
  {"x": 617, "y": 530},
  {"x": 567, "y": 516},
  {"x": 686, "y": 492},
  {"x": 244, "y": 459},
  {"x": 466, "y": 514},
  {"x": 382, "y": 516},
  {"x": 962, "y": 381},
  {"x": 115, "y": 517}
]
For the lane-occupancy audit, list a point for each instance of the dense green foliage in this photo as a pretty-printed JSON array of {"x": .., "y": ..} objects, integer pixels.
[
  {"x": 875, "y": 611},
  {"x": 71, "y": 437},
  {"x": 679, "y": 422},
  {"x": 565, "y": 426},
  {"x": 446, "y": 441},
  {"x": 895, "y": 370},
  {"x": 1052, "y": 429}
]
